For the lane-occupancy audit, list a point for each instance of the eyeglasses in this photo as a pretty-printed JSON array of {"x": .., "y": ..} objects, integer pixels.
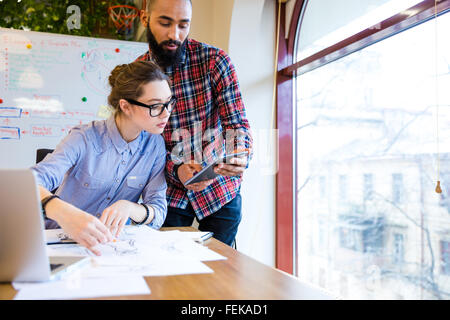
[{"x": 157, "y": 108}]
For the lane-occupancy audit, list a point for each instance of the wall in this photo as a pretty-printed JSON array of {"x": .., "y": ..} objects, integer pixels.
[
  {"x": 211, "y": 20},
  {"x": 251, "y": 46}
]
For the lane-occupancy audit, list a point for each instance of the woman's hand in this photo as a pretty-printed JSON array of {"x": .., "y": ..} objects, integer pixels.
[
  {"x": 187, "y": 171},
  {"x": 116, "y": 216},
  {"x": 82, "y": 227}
]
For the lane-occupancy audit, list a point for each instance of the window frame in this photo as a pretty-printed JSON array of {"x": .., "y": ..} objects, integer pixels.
[{"x": 287, "y": 70}]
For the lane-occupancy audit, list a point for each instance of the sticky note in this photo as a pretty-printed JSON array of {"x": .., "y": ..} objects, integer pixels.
[{"x": 103, "y": 112}]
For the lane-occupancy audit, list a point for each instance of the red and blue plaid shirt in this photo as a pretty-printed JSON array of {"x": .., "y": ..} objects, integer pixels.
[{"x": 208, "y": 120}]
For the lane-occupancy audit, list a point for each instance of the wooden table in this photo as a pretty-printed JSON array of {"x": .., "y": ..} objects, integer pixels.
[{"x": 239, "y": 277}]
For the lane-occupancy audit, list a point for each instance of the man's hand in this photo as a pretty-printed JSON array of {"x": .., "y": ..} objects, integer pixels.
[
  {"x": 116, "y": 215},
  {"x": 187, "y": 171},
  {"x": 235, "y": 167}
]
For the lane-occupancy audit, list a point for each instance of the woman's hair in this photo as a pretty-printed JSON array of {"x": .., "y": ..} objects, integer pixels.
[{"x": 126, "y": 80}]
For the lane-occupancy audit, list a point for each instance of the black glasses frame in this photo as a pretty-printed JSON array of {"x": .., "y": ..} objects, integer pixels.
[{"x": 167, "y": 105}]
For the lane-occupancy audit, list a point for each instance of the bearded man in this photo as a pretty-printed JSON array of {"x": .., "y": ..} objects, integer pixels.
[{"x": 207, "y": 122}]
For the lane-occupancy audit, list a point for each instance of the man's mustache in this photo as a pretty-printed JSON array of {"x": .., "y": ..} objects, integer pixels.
[{"x": 170, "y": 42}]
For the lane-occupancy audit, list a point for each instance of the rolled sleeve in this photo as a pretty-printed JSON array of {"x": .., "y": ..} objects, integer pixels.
[
  {"x": 154, "y": 193},
  {"x": 50, "y": 171}
]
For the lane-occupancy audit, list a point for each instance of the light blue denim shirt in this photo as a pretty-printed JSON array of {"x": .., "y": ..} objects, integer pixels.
[{"x": 93, "y": 167}]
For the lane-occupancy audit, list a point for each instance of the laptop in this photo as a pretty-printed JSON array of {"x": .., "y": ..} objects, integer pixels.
[{"x": 23, "y": 255}]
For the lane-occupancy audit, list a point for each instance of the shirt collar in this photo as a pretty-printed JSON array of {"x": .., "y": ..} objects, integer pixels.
[{"x": 116, "y": 138}]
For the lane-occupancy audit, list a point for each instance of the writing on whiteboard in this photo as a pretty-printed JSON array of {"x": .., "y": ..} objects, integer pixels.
[
  {"x": 10, "y": 133},
  {"x": 6, "y": 112},
  {"x": 45, "y": 130}
]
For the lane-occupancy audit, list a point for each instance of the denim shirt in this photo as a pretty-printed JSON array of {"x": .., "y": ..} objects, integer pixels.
[{"x": 93, "y": 167}]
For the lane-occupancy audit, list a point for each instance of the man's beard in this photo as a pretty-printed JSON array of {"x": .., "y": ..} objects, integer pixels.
[{"x": 163, "y": 57}]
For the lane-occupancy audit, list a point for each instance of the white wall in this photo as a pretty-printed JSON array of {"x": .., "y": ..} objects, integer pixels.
[
  {"x": 251, "y": 47},
  {"x": 211, "y": 20}
]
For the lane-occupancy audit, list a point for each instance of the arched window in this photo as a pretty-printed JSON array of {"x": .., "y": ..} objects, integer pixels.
[{"x": 370, "y": 101}]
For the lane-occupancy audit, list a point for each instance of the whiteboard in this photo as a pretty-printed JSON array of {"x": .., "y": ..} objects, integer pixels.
[{"x": 50, "y": 83}]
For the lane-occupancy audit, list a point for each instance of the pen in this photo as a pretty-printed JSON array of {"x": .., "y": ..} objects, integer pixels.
[
  {"x": 204, "y": 237},
  {"x": 62, "y": 242}
]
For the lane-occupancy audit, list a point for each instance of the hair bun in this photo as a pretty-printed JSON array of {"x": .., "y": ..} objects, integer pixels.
[{"x": 115, "y": 74}]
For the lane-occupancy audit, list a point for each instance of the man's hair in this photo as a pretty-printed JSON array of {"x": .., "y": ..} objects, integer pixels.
[{"x": 150, "y": 4}]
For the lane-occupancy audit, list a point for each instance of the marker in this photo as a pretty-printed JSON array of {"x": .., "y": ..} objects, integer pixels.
[
  {"x": 29, "y": 46},
  {"x": 117, "y": 50},
  {"x": 84, "y": 99},
  {"x": 1, "y": 100}
]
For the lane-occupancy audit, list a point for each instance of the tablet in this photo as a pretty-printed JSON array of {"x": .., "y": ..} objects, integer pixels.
[{"x": 208, "y": 173}]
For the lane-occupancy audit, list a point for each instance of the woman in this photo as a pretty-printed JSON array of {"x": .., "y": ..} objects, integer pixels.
[{"x": 102, "y": 168}]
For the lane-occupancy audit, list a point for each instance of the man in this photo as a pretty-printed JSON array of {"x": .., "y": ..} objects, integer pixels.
[{"x": 208, "y": 122}]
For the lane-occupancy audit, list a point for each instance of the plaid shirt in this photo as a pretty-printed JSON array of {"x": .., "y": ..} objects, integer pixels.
[{"x": 208, "y": 120}]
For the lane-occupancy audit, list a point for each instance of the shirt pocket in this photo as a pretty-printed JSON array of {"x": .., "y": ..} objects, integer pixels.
[
  {"x": 86, "y": 181},
  {"x": 137, "y": 182}
]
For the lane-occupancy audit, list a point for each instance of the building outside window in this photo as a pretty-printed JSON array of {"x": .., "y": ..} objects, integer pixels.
[
  {"x": 371, "y": 113},
  {"x": 398, "y": 254}
]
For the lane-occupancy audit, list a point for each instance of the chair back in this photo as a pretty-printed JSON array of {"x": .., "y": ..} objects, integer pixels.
[{"x": 41, "y": 153}]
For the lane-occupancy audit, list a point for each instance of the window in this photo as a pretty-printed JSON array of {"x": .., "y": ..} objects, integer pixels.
[
  {"x": 367, "y": 120},
  {"x": 445, "y": 257},
  {"x": 397, "y": 187},
  {"x": 445, "y": 186},
  {"x": 322, "y": 187},
  {"x": 343, "y": 188},
  {"x": 398, "y": 254},
  {"x": 368, "y": 186}
]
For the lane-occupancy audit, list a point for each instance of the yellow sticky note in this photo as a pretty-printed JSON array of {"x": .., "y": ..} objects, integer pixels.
[{"x": 104, "y": 112}]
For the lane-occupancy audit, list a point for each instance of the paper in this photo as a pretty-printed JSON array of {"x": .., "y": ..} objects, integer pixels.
[
  {"x": 54, "y": 235},
  {"x": 166, "y": 267},
  {"x": 143, "y": 251},
  {"x": 78, "y": 287}
]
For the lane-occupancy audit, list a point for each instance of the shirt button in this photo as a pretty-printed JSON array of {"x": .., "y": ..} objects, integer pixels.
[
  {"x": 123, "y": 162},
  {"x": 141, "y": 185},
  {"x": 108, "y": 198},
  {"x": 86, "y": 184},
  {"x": 117, "y": 180}
]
